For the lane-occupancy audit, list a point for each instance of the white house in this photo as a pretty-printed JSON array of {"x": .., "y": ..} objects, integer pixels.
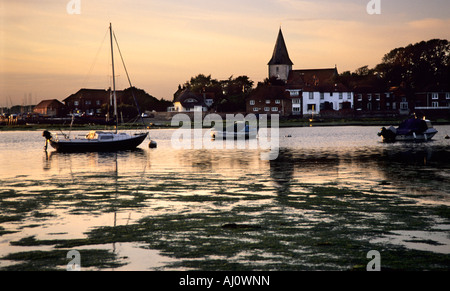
[{"x": 311, "y": 90}]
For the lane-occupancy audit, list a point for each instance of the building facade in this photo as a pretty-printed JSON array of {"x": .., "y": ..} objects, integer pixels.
[
  {"x": 269, "y": 99},
  {"x": 308, "y": 92},
  {"x": 51, "y": 108},
  {"x": 185, "y": 101},
  {"x": 90, "y": 102}
]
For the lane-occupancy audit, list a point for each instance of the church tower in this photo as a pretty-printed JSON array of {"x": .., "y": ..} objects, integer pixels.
[{"x": 280, "y": 65}]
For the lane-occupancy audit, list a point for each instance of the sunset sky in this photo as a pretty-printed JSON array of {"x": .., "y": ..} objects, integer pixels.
[{"x": 48, "y": 53}]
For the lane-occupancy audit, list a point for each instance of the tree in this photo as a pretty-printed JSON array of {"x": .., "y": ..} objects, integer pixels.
[
  {"x": 145, "y": 101},
  {"x": 229, "y": 94},
  {"x": 419, "y": 66}
]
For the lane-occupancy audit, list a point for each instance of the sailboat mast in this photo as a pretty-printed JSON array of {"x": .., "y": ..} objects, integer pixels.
[{"x": 113, "y": 77}]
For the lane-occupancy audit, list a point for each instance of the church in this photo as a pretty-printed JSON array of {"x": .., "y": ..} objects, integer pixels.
[{"x": 304, "y": 92}]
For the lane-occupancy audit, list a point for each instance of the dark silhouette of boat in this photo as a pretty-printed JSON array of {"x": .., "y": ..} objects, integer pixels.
[
  {"x": 412, "y": 129},
  {"x": 98, "y": 141}
]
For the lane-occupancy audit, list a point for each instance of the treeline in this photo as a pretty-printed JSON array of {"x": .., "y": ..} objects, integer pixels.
[
  {"x": 417, "y": 67},
  {"x": 229, "y": 94},
  {"x": 423, "y": 66}
]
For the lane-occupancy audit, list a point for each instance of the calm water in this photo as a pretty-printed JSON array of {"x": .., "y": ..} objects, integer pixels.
[{"x": 332, "y": 195}]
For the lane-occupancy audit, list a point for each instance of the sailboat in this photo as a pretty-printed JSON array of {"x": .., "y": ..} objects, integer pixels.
[{"x": 98, "y": 141}]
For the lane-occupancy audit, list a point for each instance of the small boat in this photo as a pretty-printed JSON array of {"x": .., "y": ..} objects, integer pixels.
[
  {"x": 239, "y": 130},
  {"x": 98, "y": 141},
  {"x": 412, "y": 129}
]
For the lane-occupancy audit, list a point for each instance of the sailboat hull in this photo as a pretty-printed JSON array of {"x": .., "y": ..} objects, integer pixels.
[{"x": 86, "y": 145}]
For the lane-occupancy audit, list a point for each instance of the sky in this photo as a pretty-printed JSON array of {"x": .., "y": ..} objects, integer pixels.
[{"x": 50, "y": 49}]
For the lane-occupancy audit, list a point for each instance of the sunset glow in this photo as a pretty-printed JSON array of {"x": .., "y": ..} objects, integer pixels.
[{"x": 47, "y": 53}]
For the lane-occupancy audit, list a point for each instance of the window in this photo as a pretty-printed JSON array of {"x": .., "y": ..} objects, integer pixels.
[
  {"x": 369, "y": 97},
  {"x": 311, "y": 95},
  {"x": 274, "y": 108},
  {"x": 252, "y": 102},
  {"x": 296, "y": 109},
  {"x": 447, "y": 95},
  {"x": 87, "y": 102},
  {"x": 266, "y": 108},
  {"x": 255, "y": 109},
  {"x": 294, "y": 93},
  {"x": 349, "y": 95},
  {"x": 311, "y": 107},
  {"x": 377, "y": 97},
  {"x": 434, "y": 96},
  {"x": 322, "y": 96},
  {"x": 98, "y": 102},
  {"x": 435, "y": 104},
  {"x": 267, "y": 101},
  {"x": 341, "y": 95},
  {"x": 76, "y": 103},
  {"x": 359, "y": 97},
  {"x": 277, "y": 101},
  {"x": 295, "y": 101}
]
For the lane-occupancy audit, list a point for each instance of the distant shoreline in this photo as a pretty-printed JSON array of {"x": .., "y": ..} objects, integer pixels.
[{"x": 167, "y": 124}]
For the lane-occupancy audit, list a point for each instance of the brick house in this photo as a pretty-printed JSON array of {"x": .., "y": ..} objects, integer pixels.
[
  {"x": 90, "y": 101},
  {"x": 51, "y": 108}
]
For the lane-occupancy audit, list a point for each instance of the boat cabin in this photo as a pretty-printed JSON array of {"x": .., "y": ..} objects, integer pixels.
[{"x": 105, "y": 136}]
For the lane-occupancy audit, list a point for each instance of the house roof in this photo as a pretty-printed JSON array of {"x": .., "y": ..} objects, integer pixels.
[
  {"x": 99, "y": 94},
  {"x": 280, "y": 54},
  {"x": 49, "y": 103},
  {"x": 269, "y": 92},
  {"x": 189, "y": 99},
  {"x": 315, "y": 80}
]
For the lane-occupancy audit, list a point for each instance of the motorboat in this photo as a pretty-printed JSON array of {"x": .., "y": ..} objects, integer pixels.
[
  {"x": 239, "y": 130},
  {"x": 412, "y": 129}
]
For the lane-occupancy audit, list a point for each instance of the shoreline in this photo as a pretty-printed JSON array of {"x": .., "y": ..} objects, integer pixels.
[{"x": 167, "y": 125}]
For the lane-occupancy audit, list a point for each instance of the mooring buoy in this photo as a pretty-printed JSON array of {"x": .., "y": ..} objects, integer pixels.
[{"x": 152, "y": 144}]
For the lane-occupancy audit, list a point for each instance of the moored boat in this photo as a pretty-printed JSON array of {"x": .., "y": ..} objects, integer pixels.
[
  {"x": 412, "y": 129},
  {"x": 98, "y": 141},
  {"x": 239, "y": 130}
]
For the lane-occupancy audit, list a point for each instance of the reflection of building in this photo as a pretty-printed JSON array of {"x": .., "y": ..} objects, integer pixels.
[{"x": 282, "y": 171}]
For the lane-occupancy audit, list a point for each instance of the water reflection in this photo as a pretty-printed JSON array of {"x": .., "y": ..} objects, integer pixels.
[
  {"x": 315, "y": 206},
  {"x": 95, "y": 161}
]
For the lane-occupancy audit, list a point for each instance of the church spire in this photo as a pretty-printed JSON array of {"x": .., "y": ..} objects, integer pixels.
[
  {"x": 280, "y": 64},
  {"x": 280, "y": 54}
]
